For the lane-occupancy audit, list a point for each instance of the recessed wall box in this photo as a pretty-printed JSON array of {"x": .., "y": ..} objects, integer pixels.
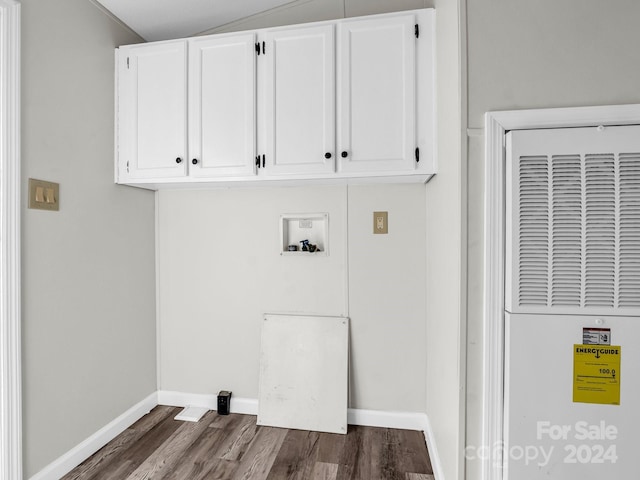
[{"x": 308, "y": 231}]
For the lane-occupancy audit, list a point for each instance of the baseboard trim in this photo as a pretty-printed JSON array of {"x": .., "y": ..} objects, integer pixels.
[
  {"x": 385, "y": 419},
  {"x": 95, "y": 442},
  {"x": 433, "y": 449},
  {"x": 249, "y": 406}
]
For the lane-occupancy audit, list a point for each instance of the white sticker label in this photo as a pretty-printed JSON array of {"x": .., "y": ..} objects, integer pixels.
[{"x": 596, "y": 336}]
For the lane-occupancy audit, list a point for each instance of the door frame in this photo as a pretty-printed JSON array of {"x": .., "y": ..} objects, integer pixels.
[
  {"x": 497, "y": 124},
  {"x": 10, "y": 367}
]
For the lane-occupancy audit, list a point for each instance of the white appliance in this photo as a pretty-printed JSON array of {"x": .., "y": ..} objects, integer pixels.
[{"x": 572, "y": 262}]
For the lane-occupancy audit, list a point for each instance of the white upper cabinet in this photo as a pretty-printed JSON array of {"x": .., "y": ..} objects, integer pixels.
[
  {"x": 298, "y": 101},
  {"x": 343, "y": 99},
  {"x": 222, "y": 96},
  {"x": 377, "y": 94},
  {"x": 152, "y": 105}
]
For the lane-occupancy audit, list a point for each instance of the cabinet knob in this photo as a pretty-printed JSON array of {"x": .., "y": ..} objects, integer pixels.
[
  {"x": 327, "y": 155},
  {"x": 178, "y": 160},
  {"x": 344, "y": 154},
  {"x": 194, "y": 161}
]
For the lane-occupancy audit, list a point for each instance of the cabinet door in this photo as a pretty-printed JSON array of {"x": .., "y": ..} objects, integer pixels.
[
  {"x": 299, "y": 101},
  {"x": 222, "y": 94},
  {"x": 376, "y": 94},
  {"x": 152, "y": 111}
]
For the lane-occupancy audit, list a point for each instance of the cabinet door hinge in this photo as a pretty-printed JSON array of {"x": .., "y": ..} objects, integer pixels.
[
  {"x": 417, "y": 155},
  {"x": 417, "y": 31}
]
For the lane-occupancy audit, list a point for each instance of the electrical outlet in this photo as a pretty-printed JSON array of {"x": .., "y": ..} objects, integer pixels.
[{"x": 380, "y": 222}]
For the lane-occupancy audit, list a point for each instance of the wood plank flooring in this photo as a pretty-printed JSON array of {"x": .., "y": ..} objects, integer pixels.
[{"x": 233, "y": 447}]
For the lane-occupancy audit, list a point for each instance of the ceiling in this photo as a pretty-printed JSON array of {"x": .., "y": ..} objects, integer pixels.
[{"x": 165, "y": 19}]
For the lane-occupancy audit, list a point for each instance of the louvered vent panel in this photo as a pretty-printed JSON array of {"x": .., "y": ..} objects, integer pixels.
[
  {"x": 534, "y": 231},
  {"x": 566, "y": 264},
  {"x": 629, "y": 235},
  {"x": 574, "y": 224},
  {"x": 600, "y": 231}
]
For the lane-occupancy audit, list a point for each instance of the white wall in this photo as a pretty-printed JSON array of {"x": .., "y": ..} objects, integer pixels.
[
  {"x": 88, "y": 270},
  {"x": 387, "y": 304},
  {"x": 540, "y": 54},
  {"x": 445, "y": 263},
  {"x": 220, "y": 270}
]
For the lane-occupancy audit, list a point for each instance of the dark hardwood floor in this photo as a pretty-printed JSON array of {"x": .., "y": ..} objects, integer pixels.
[{"x": 234, "y": 447}]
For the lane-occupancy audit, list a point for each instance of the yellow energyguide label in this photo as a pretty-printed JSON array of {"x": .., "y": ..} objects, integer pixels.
[{"x": 596, "y": 374}]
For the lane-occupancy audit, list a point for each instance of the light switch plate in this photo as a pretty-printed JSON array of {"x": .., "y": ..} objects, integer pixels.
[
  {"x": 380, "y": 222},
  {"x": 44, "y": 195}
]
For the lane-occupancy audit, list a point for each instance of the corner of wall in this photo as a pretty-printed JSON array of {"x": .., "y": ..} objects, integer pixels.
[{"x": 446, "y": 218}]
